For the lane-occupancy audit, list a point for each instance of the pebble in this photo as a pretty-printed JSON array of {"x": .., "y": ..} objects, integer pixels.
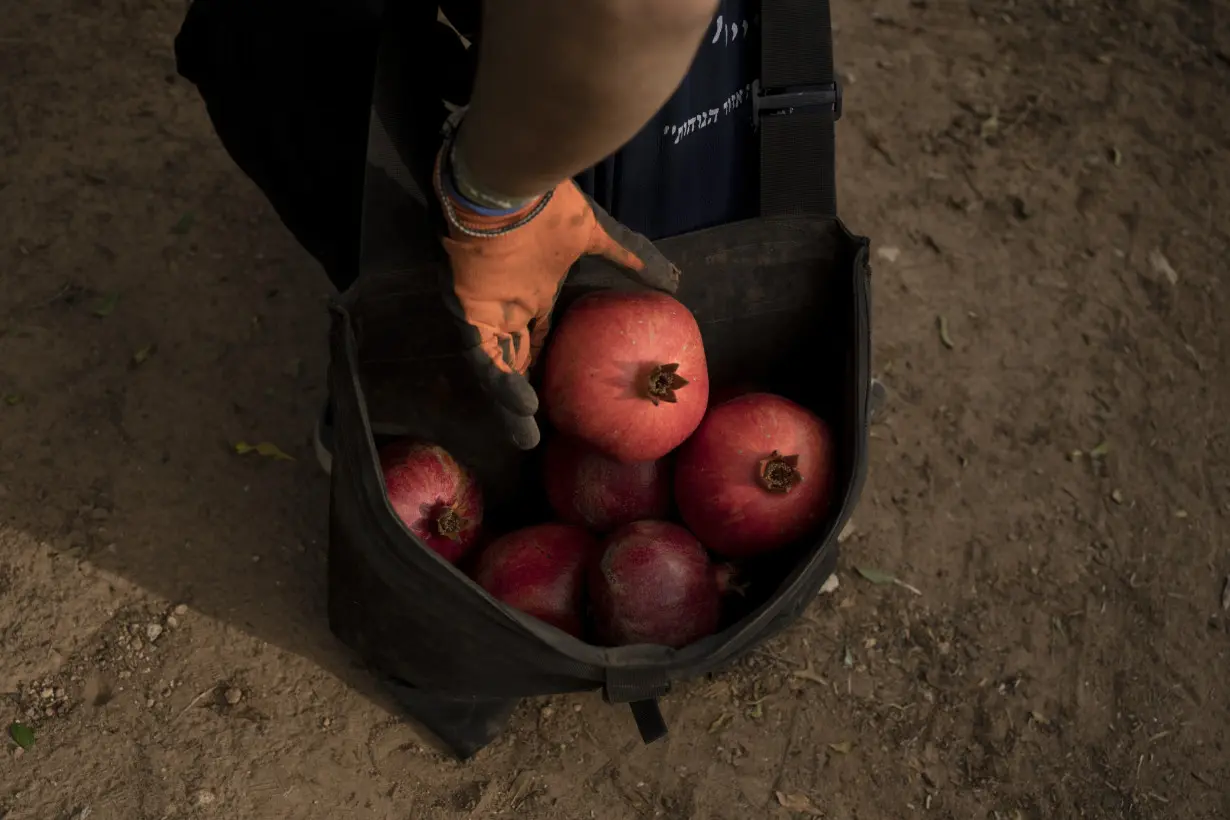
[
  {"x": 153, "y": 631},
  {"x": 48, "y": 693},
  {"x": 204, "y": 797},
  {"x": 234, "y": 695},
  {"x": 181, "y": 609},
  {"x": 18, "y": 751},
  {"x": 172, "y": 621},
  {"x": 326, "y": 722}
]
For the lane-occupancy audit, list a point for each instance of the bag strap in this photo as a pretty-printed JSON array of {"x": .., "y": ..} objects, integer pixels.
[{"x": 795, "y": 108}]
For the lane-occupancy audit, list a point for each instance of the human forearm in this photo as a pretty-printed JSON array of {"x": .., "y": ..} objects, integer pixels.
[{"x": 562, "y": 84}]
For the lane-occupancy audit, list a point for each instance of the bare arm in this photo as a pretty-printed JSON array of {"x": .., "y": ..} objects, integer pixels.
[{"x": 562, "y": 84}]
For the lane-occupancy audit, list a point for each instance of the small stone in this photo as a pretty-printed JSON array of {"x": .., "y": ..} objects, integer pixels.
[
  {"x": 205, "y": 797},
  {"x": 546, "y": 712},
  {"x": 153, "y": 631},
  {"x": 60, "y": 692},
  {"x": 18, "y": 751},
  {"x": 181, "y": 609},
  {"x": 149, "y": 703},
  {"x": 172, "y": 622},
  {"x": 49, "y": 712},
  {"x": 47, "y": 693},
  {"x": 326, "y": 722},
  {"x": 136, "y": 645},
  {"x": 234, "y": 695},
  {"x": 1117, "y": 496}
]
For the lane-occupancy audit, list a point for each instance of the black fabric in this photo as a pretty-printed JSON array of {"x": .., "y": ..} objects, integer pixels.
[
  {"x": 695, "y": 164},
  {"x": 288, "y": 87},
  {"x": 796, "y": 110},
  {"x": 393, "y": 360}
]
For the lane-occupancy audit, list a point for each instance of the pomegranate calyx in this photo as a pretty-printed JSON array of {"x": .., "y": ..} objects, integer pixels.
[
  {"x": 779, "y": 473},
  {"x": 664, "y": 380},
  {"x": 449, "y": 524}
]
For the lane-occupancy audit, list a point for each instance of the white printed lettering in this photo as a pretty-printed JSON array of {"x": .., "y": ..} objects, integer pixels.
[
  {"x": 708, "y": 116},
  {"x": 717, "y": 32}
]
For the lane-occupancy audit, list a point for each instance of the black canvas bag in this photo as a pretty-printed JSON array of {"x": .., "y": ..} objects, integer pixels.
[{"x": 782, "y": 300}]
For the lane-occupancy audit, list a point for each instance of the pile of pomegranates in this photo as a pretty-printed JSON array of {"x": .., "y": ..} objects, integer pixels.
[{"x": 653, "y": 490}]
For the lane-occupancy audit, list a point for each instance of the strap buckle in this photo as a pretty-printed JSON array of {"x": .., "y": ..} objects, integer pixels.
[{"x": 781, "y": 102}]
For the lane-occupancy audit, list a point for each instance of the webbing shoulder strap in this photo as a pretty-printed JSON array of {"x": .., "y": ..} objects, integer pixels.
[{"x": 796, "y": 108}]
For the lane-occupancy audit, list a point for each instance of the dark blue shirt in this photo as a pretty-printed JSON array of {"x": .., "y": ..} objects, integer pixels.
[{"x": 695, "y": 165}]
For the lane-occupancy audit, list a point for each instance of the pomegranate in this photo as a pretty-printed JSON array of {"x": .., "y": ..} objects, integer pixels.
[
  {"x": 626, "y": 373},
  {"x": 589, "y": 489},
  {"x": 435, "y": 497},
  {"x": 756, "y": 475},
  {"x": 540, "y": 570},
  {"x": 654, "y": 584}
]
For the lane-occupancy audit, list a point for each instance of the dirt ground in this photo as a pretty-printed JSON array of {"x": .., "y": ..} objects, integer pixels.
[{"x": 1046, "y": 181}]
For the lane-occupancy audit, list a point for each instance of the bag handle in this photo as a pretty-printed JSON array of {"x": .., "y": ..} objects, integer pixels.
[{"x": 795, "y": 108}]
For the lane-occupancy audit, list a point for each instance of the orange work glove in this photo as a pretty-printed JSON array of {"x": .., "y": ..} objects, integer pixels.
[{"x": 507, "y": 271}]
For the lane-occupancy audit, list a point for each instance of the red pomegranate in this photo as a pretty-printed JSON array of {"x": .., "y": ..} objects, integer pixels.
[
  {"x": 755, "y": 476},
  {"x": 626, "y": 373},
  {"x": 594, "y": 491},
  {"x": 654, "y": 584},
  {"x": 540, "y": 570},
  {"x": 435, "y": 497}
]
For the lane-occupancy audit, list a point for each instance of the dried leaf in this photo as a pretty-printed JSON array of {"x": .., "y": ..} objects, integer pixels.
[
  {"x": 846, "y": 532},
  {"x": 141, "y": 354},
  {"x": 808, "y": 673},
  {"x": 842, "y": 748},
  {"x": 264, "y": 448},
  {"x": 22, "y": 735},
  {"x": 798, "y": 803},
  {"x": 876, "y": 576},
  {"x": 185, "y": 222},
  {"x": 1101, "y": 450},
  {"x": 106, "y": 306},
  {"x": 721, "y": 722},
  {"x": 1162, "y": 267},
  {"x": 942, "y": 323},
  {"x": 830, "y": 585}
]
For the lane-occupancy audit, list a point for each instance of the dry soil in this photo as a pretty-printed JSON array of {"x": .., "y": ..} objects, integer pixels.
[{"x": 1046, "y": 182}]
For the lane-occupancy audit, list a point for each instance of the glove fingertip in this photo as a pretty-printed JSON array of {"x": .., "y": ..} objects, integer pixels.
[{"x": 523, "y": 432}]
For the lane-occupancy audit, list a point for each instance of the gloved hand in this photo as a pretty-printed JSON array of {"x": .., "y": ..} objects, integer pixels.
[{"x": 506, "y": 274}]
